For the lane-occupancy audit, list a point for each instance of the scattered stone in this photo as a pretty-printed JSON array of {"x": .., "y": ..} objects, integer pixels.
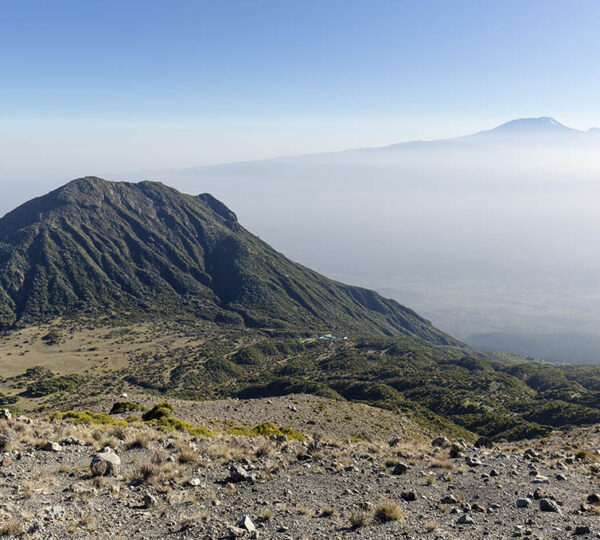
[
  {"x": 440, "y": 442},
  {"x": 582, "y": 529},
  {"x": 246, "y": 524},
  {"x": 52, "y": 447},
  {"x": 473, "y": 461},
  {"x": 5, "y": 414},
  {"x": 194, "y": 482},
  {"x": 540, "y": 479},
  {"x": 150, "y": 501},
  {"x": 105, "y": 463},
  {"x": 72, "y": 441},
  {"x": 36, "y": 526},
  {"x": 465, "y": 519},
  {"x": 409, "y": 496},
  {"x": 449, "y": 499},
  {"x": 594, "y": 499},
  {"x": 548, "y": 505},
  {"x": 56, "y": 512},
  {"x": 396, "y": 440},
  {"x": 400, "y": 468},
  {"x": 523, "y": 503},
  {"x": 455, "y": 450},
  {"x": 237, "y": 473}
]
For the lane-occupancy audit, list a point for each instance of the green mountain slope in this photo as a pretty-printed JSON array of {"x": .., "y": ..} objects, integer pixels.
[{"x": 99, "y": 247}]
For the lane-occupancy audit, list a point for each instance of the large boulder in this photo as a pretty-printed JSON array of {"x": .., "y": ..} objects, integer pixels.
[{"x": 105, "y": 463}]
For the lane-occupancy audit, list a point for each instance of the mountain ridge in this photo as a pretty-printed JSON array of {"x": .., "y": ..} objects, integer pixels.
[{"x": 94, "y": 246}]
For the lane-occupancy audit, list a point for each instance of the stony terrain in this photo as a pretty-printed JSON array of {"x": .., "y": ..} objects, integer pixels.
[{"x": 152, "y": 481}]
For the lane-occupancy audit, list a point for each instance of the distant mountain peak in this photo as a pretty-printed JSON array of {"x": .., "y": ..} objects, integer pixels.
[{"x": 543, "y": 124}]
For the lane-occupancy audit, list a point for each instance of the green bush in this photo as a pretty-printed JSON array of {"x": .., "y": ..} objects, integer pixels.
[
  {"x": 158, "y": 412},
  {"x": 121, "y": 407},
  {"x": 52, "y": 385}
]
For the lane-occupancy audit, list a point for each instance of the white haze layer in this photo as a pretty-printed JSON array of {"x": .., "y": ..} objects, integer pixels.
[{"x": 496, "y": 231}]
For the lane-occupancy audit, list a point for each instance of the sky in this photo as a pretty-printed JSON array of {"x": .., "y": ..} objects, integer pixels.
[{"x": 112, "y": 87}]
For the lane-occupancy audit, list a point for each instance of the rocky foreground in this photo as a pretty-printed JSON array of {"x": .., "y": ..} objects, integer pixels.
[{"x": 163, "y": 479}]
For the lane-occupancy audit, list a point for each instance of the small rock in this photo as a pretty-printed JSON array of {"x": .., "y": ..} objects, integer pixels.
[
  {"x": 523, "y": 503},
  {"x": 5, "y": 414},
  {"x": 440, "y": 442},
  {"x": 150, "y": 501},
  {"x": 594, "y": 499},
  {"x": 548, "y": 505},
  {"x": 36, "y": 526},
  {"x": 582, "y": 529},
  {"x": 455, "y": 450},
  {"x": 52, "y": 447},
  {"x": 246, "y": 523},
  {"x": 237, "y": 473},
  {"x": 465, "y": 519},
  {"x": 449, "y": 499},
  {"x": 409, "y": 496},
  {"x": 70, "y": 440},
  {"x": 395, "y": 441},
  {"x": 56, "y": 512},
  {"x": 540, "y": 479},
  {"x": 194, "y": 482},
  {"x": 400, "y": 468}
]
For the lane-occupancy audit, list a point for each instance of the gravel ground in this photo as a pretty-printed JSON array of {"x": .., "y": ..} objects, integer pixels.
[{"x": 173, "y": 485}]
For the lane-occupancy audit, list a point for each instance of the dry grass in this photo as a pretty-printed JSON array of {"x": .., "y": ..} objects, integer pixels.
[
  {"x": 328, "y": 511},
  {"x": 266, "y": 515},
  {"x": 264, "y": 449},
  {"x": 442, "y": 463},
  {"x": 190, "y": 522},
  {"x": 360, "y": 518},
  {"x": 389, "y": 510},
  {"x": 87, "y": 521},
  {"x": 188, "y": 455},
  {"x": 140, "y": 440},
  {"x": 431, "y": 526},
  {"x": 149, "y": 471},
  {"x": 12, "y": 527},
  {"x": 586, "y": 455}
]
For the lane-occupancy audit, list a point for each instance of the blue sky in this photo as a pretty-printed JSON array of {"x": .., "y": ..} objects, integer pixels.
[{"x": 129, "y": 85}]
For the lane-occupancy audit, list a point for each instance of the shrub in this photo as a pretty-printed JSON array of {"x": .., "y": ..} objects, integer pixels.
[
  {"x": 160, "y": 416},
  {"x": 158, "y": 412},
  {"x": 54, "y": 337},
  {"x": 52, "y": 385},
  {"x": 121, "y": 407}
]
